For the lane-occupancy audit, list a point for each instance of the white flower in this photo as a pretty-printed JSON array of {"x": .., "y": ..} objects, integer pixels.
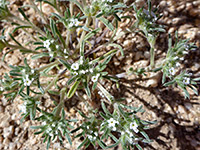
[
  {"x": 110, "y": 1},
  {"x": 177, "y": 64},
  {"x": 75, "y": 66},
  {"x": 186, "y": 80},
  {"x": 46, "y": 43},
  {"x": 181, "y": 58},
  {"x": 90, "y": 137},
  {"x": 32, "y": 71},
  {"x": 65, "y": 51},
  {"x": 74, "y": 73},
  {"x": 111, "y": 124},
  {"x": 22, "y": 108},
  {"x": 82, "y": 72},
  {"x": 81, "y": 60},
  {"x": 23, "y": 70},
  {"x": 185, "y": 52},
  {"x": 1, "y": 88},
  {"x": 172, "y": 71},
  {"x": 101, "y": 94},
  {"x": 44, "y": 123},
  {"x": 51, "y": 54},
  {"x": 134, "y": 127},
  {"x": 73, "y": 22},
  {"x": 76, "y": 22},
  {"x": 175, "y": 58},
  {"x": 27, "y": 81},
  {"x": 57, "y": 46},
  {"x": 95, "y": 133},
  {"x": 53, "y": 125},
  {"x": 60, "y": 128},
  {"x": 91, "y": 70},
  {"x": 95, "y": 78}
]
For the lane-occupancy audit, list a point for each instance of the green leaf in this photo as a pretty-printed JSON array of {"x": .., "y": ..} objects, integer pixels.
[
  {"x": 87, "y": 89},
  {"x": 40, "y": 55},
  {"x": 101, "y": 144},
  {"x": 73, "y": 89},
  {"x": 23, "y": 14},
  {"x": 52, "y": 26},
  {"x": 169, "y": 83},
  {"x": 138, "y": 147},
  {"x": 20, "y": 27},
  {"x": 36, "y": 127},
  {"x": 83, "y": 143},
  {"x": 114, "y": 145},
  {"x": 82, "y": 114},
  {"x": 105, "y": 134},
  {"x": 68, "y": 138},
  {"x": 78, "y": 4},
  {"x": 107, "y": 23},
  {"x": 40, "y": 87},
  {"x": 105, "y": 109},
  {"x": 145, "y": 135},
  {"x": 14, "y": 40},
  {"x": 67, "y": 65},
  {"x": 48, "y": 143}
]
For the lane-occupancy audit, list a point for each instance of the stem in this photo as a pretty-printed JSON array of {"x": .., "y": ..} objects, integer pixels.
[
  {"x": 20, "y": 21},
  {"x": 61, "y": 103},
  {"x": 21, "y": 48},
  {"x": 152, "y": 57},
  {"x": 106, "y": 93},
  {"x": 49, "y": 65},
  {"x": 88, "y": 20},
  {"x": 39, "y": 12}
]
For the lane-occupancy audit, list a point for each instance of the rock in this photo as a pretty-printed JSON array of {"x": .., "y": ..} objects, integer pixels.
[
  {"x": 154, "y": 80},
  {"x": 1, "y": 109},
  {"x": 47, "y": 10},
  {"x": 147, "y": 54},
  {"x": 163, "y": 3},
  {"x": 14, "y": 60},
  {"x": 197, "y": 22},
  {"x": 5, "y": 119},
  {"x": 192, "y": 33},
  {"x": 8, "y": 132},
  {"x": 128, "y": 43},
  {"x": 1, "y": 138},
  {"x": 188, "y": 6},
  {"x": 17, "y": 130},
  {"x": 138, "y": 55},
  {"x": 188, "y": 106},
  {"x": 6, "y": 142},
  {"x": 183, "y": 29},
  {"x": 172, "y": 30},
  {"x": 194, "y": 12},
  {"x": 181, "y": 7},
  {"x": 178, "y": 20},
  {"x": 181, "y": 109},
  {"x": 152, "y": 83},
  {"x": 12, "y": 146}
]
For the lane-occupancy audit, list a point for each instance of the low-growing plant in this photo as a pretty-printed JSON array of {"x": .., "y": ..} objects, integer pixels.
[{"x": 71, "y": 40}]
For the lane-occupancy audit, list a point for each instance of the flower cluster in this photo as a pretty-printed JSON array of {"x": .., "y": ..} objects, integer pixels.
[
  {"x": 28, "y": 78},
  {"x": 92, "y": 134},
  {"x": 134, "y": 127},
  {"x": 186, "y": 80},
  {"x": 51, "y": 47},
  {"x": 23, "y": 108},
  {"x": 83, "y": 69},
  {"x": 112, "y": 123},
  {"x": 73, "y": 22}
]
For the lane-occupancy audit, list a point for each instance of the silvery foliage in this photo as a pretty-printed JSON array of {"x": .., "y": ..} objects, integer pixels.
[{"x": 72, "y": 51}]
